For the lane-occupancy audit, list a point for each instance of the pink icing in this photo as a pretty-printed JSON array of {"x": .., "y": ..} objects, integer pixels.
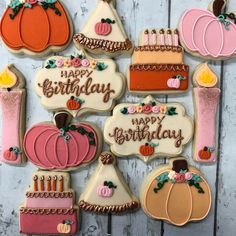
[
  {"x": 207, "y": 100},
  {"x": 36, "y": 202},
  {"x": 202, "y": 32},
  {"x": 45, "y": 148},
  {"x": 45, "y": 223},
  {"x": 11, "y": 111}
]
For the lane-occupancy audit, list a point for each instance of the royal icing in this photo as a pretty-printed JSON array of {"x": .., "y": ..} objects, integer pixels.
[
  {"x": 79, "y": 84},
  {"x": 209, "y": 33},
  {"x": 104, "y": 33},
  {"x": 62, "y": 146},
  {"x": 35, "y": 27},
  {"x": 176, "y": 193},
  {"x": 12, "y": 98},
  {"x": 206, "y": 103},
  {"x": 106, "y": 191},
  {"x": 157, "y": 64},
  {"x": 49, "y": 205},
  {"x": 148, "y": 129}
]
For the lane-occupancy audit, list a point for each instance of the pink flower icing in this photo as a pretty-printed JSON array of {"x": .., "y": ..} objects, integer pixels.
[
  {"x": 59, "y": 63},
  {"x": 147, "y": 109},
  {"x": 188, "y": 175},
  {"x": 31, "y": 1},
  {"x": 76, "y": 62},
  {"x": 156, "y": 109},
  {"x": 180, "y": 178},
  {"x": 85, "y": 63},
  {"x": 131, "y": 109}
]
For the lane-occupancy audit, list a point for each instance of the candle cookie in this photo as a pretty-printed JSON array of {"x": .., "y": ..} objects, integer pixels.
[
  {"x": 49, "y": 205},
  {"x": 157, "y": 64},
  {"x": 107, "y": 191},
  {"x": 176, "y": 193},
  {"x": 148, "y": 129},
  {"x": 35, "y": 27},
  {"x": 79, "y": 84},
  {"x": 104, "y": 33},
  {"x": 209, "y": 33},
  {"x": 206, "y": 99},
  {"x": 12, "y": 99},
  {"x": 62, "y": 145}
]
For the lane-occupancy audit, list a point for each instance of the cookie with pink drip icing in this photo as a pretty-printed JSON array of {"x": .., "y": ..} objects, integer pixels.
[
  {"x": 209, "y": 34},
  {"x": 62, "y": 145}
]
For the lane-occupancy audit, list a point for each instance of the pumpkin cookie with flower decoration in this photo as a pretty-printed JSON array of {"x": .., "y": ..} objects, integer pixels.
[
  {"x": 62, "y": 145},
  {"x": 36, "y": 27},
  {"x": 148, "y": 129},
  {"x": 209, "y": 34},
  {"x": 177, "y": 193},
  {"x": 12, "y": 99},
  {"x": 79, "y": 84},
  {"x": 107, "y": 192},
  {"x": 104, "y": 32}
]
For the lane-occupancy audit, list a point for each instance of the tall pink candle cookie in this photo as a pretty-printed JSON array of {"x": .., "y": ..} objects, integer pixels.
[
  {"x": 12, "y": 98},
  {"x": 209, "y": 33},
  {"x": 148, "y": 129},
  {"x": 157, "y": 64},
  {"x": 49, "y": 205},
  {"x": 206, "y": 97},
  {"x": 104, "y": 32},
  {"x": 79, "y": 84},
  {"x": 62, "y": 146},
  {"x": 176, "y": 193},
  {"x": 35, "y": 27},
  {"x": 107, "y": 191}
]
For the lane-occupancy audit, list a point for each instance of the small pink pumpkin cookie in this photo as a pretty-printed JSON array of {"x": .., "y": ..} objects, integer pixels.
[
  {"x": 12, "y": 98},
  {"x": 209, "y": 33},
  {"x": 62, "y": 146},
  {"x": 107, "y": 191},
  {"x": 177, "y": 193}
]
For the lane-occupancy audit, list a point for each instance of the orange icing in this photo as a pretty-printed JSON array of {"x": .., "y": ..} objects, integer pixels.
[{"x": 35, "y": 29}]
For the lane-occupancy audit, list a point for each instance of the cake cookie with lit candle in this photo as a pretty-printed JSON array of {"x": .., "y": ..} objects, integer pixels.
[
  {"x": 157, "y": 64},
  {"x": 12, "y": 99}
]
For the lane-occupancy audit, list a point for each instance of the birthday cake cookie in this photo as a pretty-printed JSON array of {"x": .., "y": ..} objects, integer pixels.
[
  {"x": 176, "y": 193},
  {"x": 12, "y": 100},
  {"x": 104, "y": 32},
  {"x": 107, "y": 191},
  {"x": 49, "y": 205},
  {"x": 158, "y": 64},
  {"x": 35, "y": 27}
]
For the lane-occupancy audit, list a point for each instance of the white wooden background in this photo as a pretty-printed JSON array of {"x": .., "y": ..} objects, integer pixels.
[{"x": 136, "y": 15}]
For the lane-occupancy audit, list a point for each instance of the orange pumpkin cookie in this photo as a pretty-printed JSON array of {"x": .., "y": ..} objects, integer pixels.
[
  {"x": 177, "y": 193},
  {"x": 104, "y": 32},
  {"x": 157, "y": 64},
  {"x": 35, "y": 27}
]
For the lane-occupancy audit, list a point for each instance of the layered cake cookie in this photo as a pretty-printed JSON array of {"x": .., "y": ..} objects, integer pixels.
[
  {"x": 158, "y": 64},
  {"x": 104, "y": 33},
  {"x": 49, "y": 205},
  {"x": 12, "y": 100},
  {"x": 176, "y": 193},
  {"x": 107, "y": 191}
]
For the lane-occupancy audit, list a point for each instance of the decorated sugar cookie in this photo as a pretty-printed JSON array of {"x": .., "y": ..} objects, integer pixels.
[
  {"x": 107, "y": 191},
  {"x": 104, "y": 33},
  {"x": 209, "y": 33},
  {"x": 62, "y": 145},
  {"x": 148, "y": 129},
  {"x": 177, "y": 193},
  {"x": 79, "y": 84},
  {"x": 35, "y": 27},
  {"x": 157, "y": 64},
  {"x": 12, "y": 99},
  {"x": 206, "y": 99},
  {"x": 49, "y": 205}
]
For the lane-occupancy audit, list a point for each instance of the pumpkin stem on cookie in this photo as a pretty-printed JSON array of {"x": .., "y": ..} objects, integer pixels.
[
  {"x": 62, "y": 119},
  {"x": 179, "y": 165},
  {"x": 218, "y": 7}
]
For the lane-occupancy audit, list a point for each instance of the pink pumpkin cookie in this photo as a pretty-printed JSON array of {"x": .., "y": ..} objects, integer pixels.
[
  {"x": 209, "y": 33},
  {"x": 63, "y": 146},
  {"x": 206, "y": 98},
  {"x": 106, "y": 191},
  {"x": 12, "y": 98}
]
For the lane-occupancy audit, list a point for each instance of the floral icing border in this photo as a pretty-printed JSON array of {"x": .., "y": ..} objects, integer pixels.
[
  {"x": 79, "y": 60},
  {"x": 148, "y": 108},
  {"x": 182, "y": 177},
  {"x": 16, "y": 6}
]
